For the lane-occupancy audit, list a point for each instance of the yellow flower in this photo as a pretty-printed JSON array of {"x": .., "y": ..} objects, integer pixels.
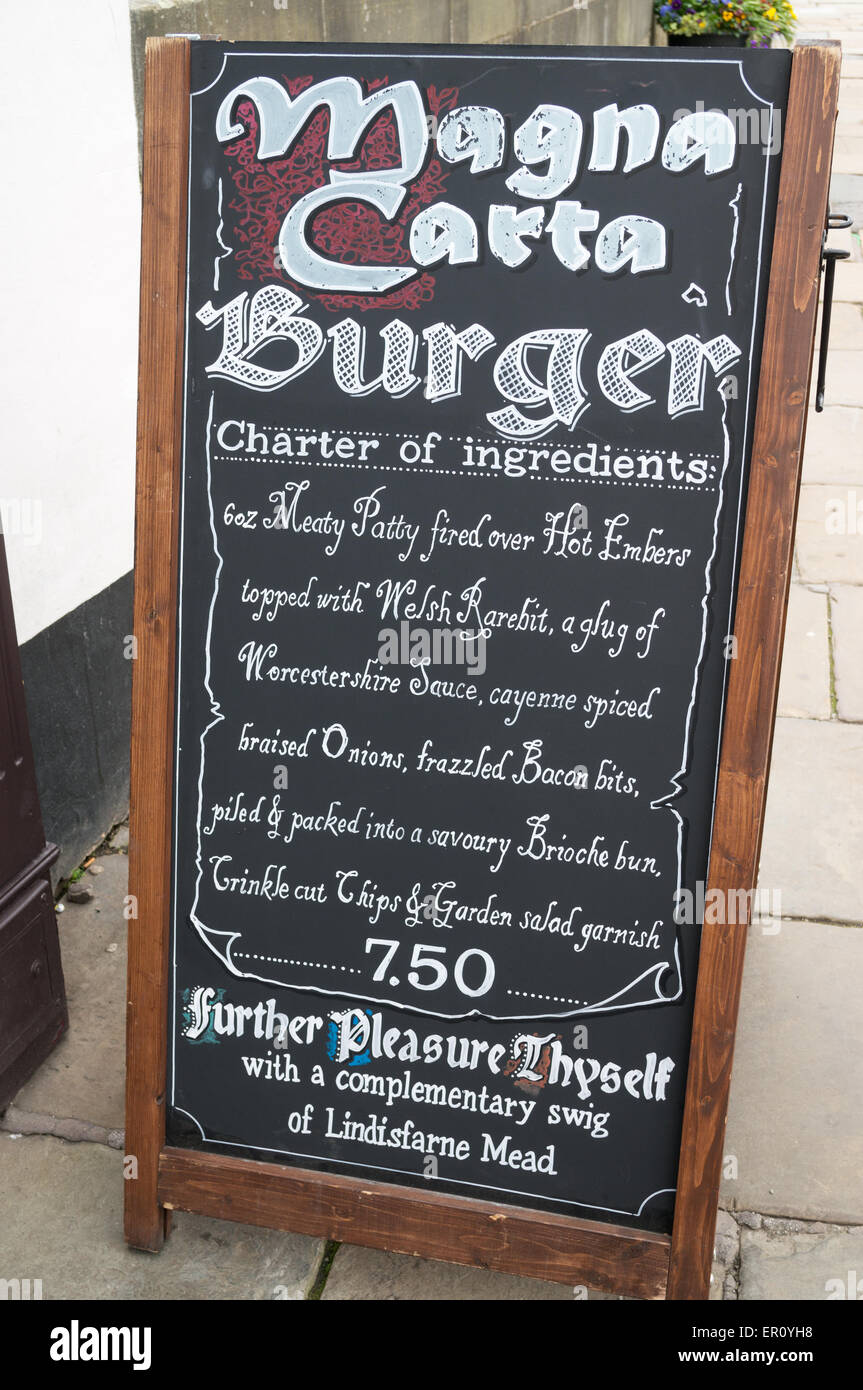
[
  {"x": 771, "y": 13},
  {"x": 726, "y": 15}
]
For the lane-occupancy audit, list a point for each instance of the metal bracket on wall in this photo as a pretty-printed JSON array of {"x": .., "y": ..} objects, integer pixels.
[{"x": 836, "y": 221}]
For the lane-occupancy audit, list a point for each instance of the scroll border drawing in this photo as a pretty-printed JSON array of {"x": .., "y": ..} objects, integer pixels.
[{"x": 657, "y": 970}]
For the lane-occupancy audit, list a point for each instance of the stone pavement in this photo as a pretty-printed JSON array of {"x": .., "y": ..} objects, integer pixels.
[{"x": 792, "y": 1224}]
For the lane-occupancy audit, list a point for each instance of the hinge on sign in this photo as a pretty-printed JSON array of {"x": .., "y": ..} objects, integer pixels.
[{"x": 836, "y": 221}]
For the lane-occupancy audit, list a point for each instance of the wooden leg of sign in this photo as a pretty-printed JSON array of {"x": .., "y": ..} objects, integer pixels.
[
  {"x": 758, "y": 626},
  {"x": 163, "y": 264}
]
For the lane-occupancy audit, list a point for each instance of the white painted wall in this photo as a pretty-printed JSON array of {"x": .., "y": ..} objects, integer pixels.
[{"x": 69, "y": 231}]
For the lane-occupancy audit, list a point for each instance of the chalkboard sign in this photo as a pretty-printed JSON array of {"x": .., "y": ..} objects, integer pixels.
[{"x": 450, "y": 393}]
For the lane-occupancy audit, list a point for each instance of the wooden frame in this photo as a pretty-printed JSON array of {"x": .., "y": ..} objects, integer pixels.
[{"x": 388, "y": 1216}]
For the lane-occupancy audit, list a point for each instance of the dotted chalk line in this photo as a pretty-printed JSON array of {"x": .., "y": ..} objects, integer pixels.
[
  {"x": 549, "y": 998},
  {"x": 464, "y": 473},
  {"x": 282, "y": 960}
]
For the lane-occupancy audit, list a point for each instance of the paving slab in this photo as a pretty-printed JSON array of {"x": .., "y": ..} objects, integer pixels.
[
  {"x": 846, "y": 611},
  {"x": 829, "y": 539},
  {"x": 846, "y": 195},
  {"x": 844, "y": 380},
  {"x": 61, "y": 1222},
  {"x": 362, "y": 1275},
  {"x": 120, "y": 838},
  {"x": 801, "y": 1267},
  {"x": 850, "y": 90},
  {"x": 846, "y": 325},
  {"x": 794, "y": 1130},
  {"x": 848, "y": 154},
  {"x": 850, "y": 120},
  {"x": 804, "y": 688},
  {"x": 84, "y": 1076},
  {"x": 848, "y": 285},
  {"x": 813, "y": 835},
  {"x": 834, "y": 445}
]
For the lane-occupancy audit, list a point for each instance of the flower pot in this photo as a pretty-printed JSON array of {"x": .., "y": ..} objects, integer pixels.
[{"x": 707, "y": 41}]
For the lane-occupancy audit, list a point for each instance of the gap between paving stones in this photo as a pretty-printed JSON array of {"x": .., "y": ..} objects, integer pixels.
[
  {"x": 114, "y": 841},
  {"x": 851, "y": 923}
]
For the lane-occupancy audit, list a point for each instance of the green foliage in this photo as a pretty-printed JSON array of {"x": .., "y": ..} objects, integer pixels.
[{"x": 759, "y": 20}]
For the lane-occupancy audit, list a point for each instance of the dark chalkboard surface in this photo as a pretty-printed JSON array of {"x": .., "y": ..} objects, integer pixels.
[
  {"x": 455, "y": 442},
  {"x": 469, "y": 399}
]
